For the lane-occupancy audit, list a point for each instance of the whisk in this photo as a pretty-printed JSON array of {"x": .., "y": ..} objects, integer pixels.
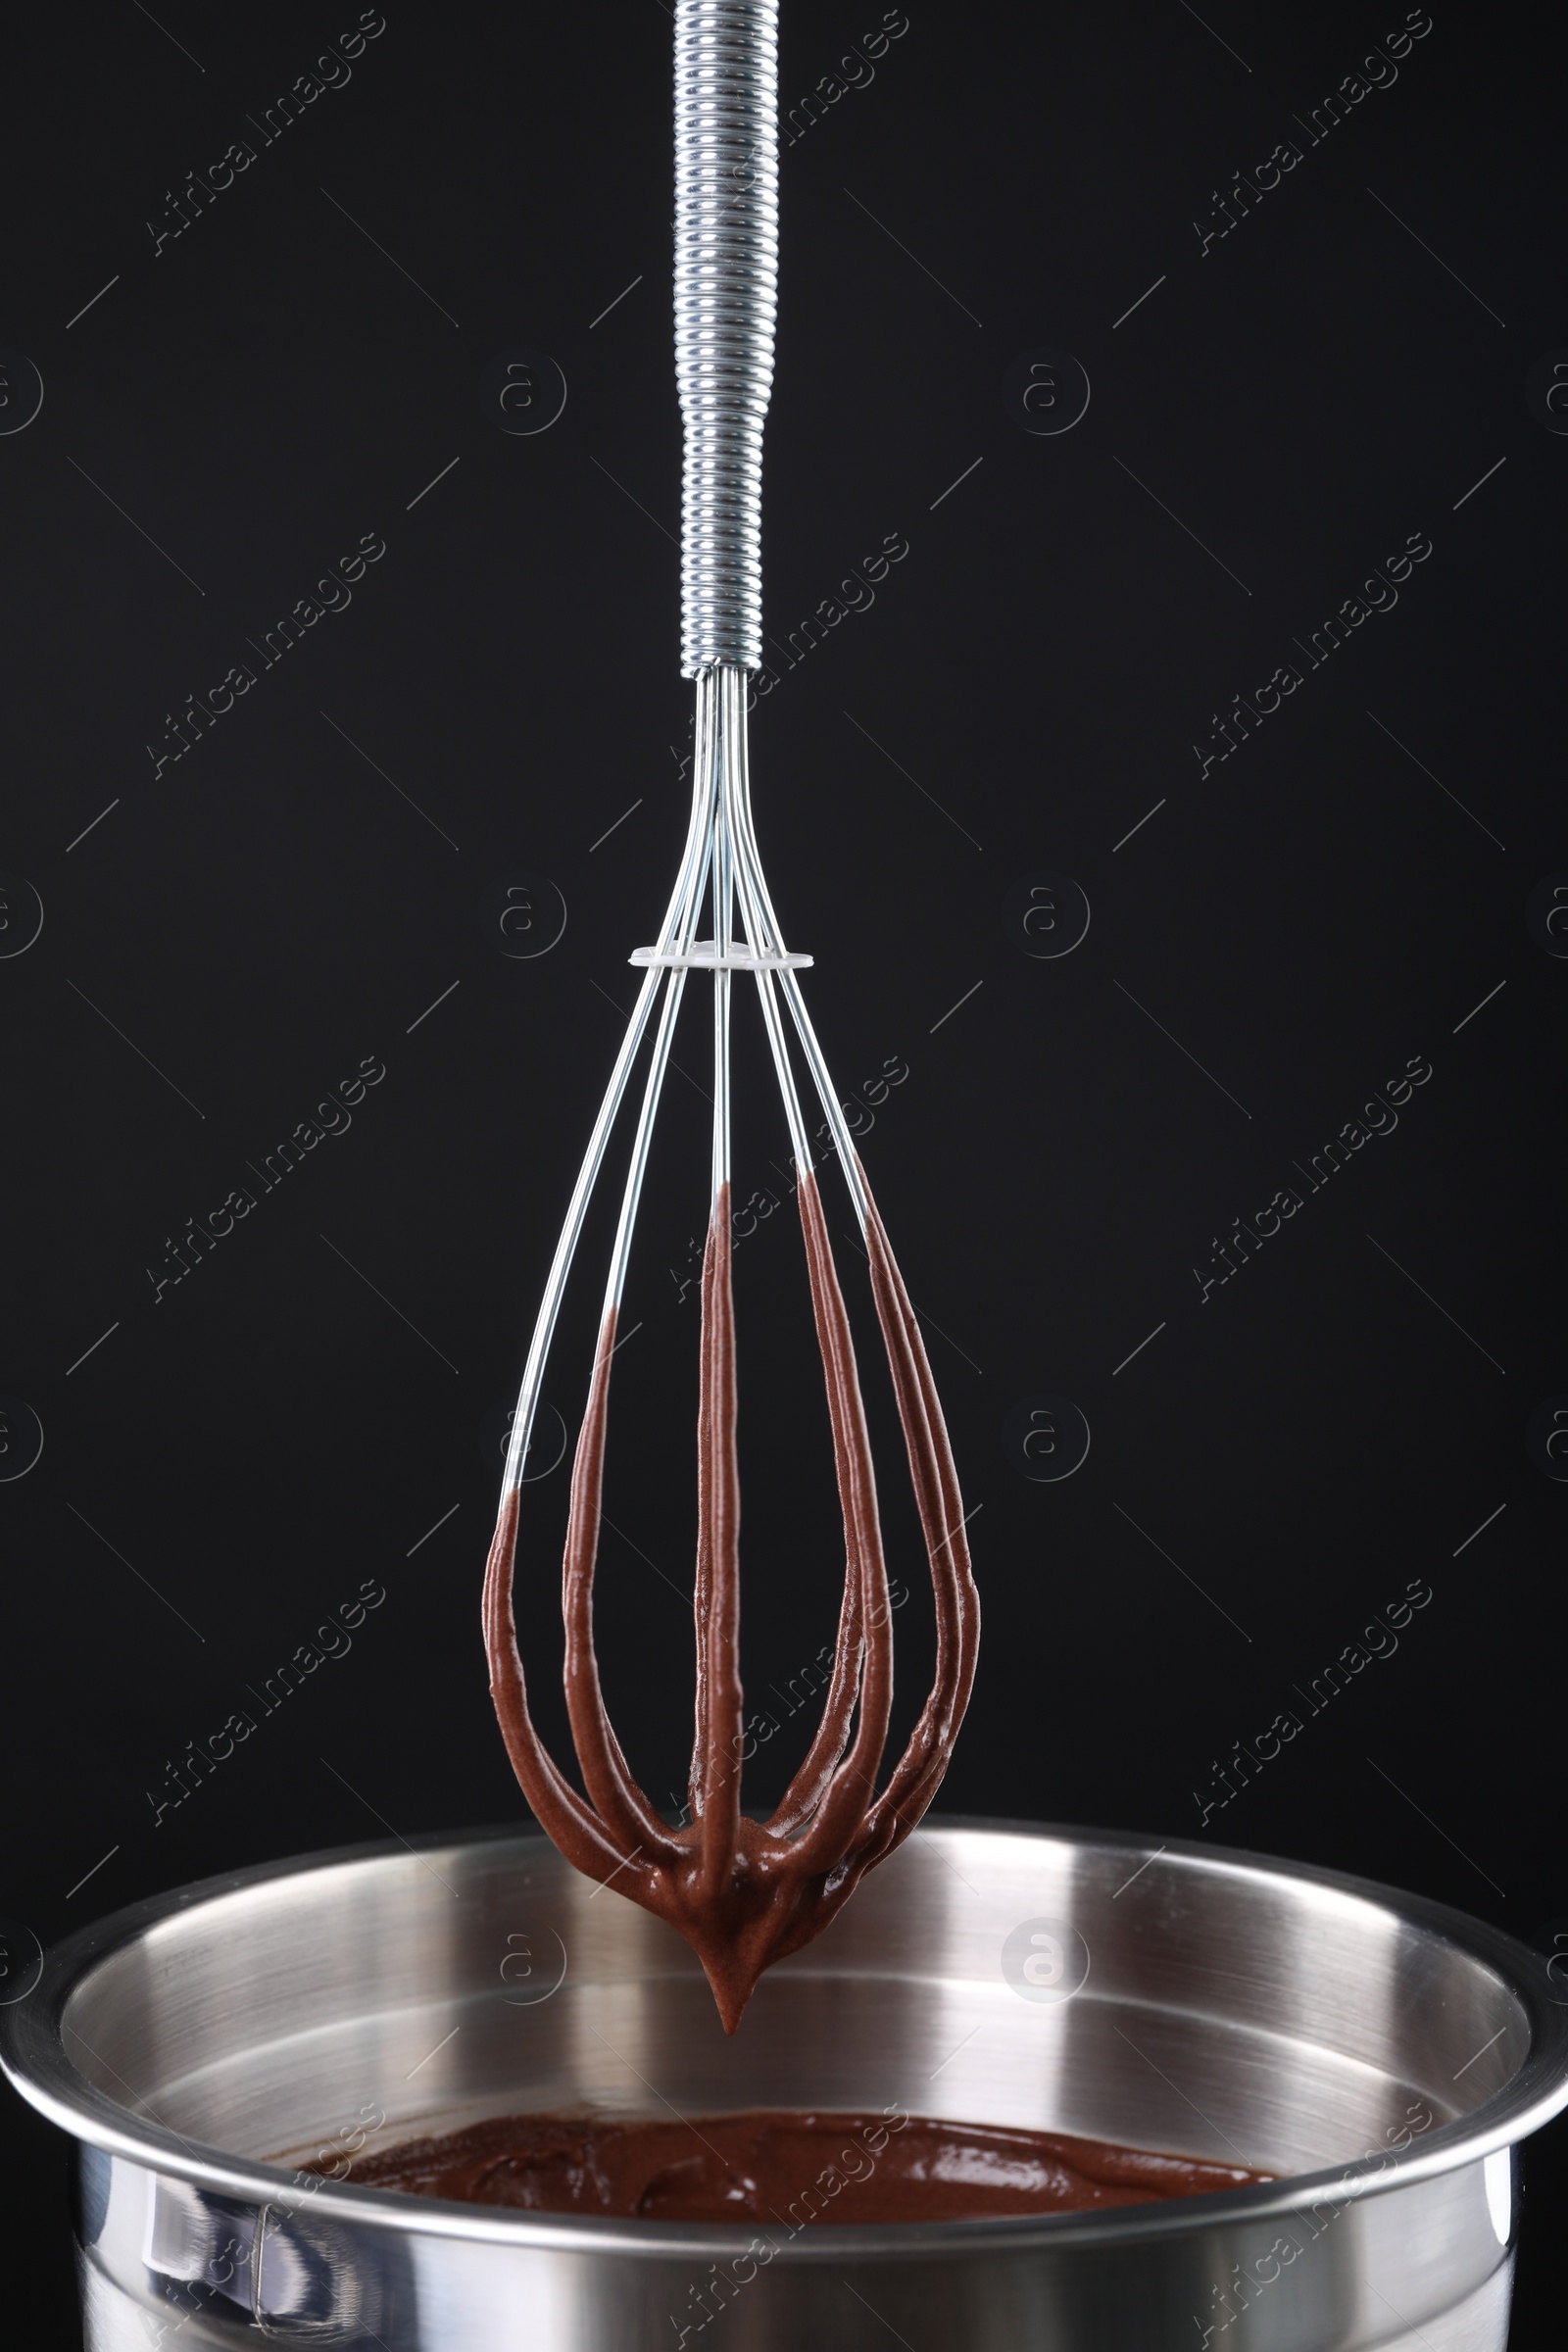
[{"x": 742, "y": 1892}]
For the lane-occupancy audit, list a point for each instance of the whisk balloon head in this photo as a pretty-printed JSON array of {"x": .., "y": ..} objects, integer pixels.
[{"x": 742, "y": 1892}]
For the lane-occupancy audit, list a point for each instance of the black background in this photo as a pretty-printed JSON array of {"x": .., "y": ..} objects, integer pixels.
[{"x": 1279, "y": 939}]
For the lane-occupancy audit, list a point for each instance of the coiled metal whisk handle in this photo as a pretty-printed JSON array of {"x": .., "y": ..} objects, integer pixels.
[{"x": 727, "y": 298}]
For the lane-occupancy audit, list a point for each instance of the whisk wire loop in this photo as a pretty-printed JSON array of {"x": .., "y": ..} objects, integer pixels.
[{"x": 742, "y": 1892}]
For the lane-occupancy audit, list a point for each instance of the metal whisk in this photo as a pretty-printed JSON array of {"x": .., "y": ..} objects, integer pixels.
[{"x": 743, "y": 1892}]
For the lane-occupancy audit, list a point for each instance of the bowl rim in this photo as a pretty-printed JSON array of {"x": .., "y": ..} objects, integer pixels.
[{"x": 32, "y": 2054}]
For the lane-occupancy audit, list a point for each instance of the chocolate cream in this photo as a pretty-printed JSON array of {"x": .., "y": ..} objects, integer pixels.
[
  {"x": 786, "y": 2169},
  {"x": 745, "y": 1892}
]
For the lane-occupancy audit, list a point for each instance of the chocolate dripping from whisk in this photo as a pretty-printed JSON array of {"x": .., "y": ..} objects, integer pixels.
[{"x": 744, "y": 1892}]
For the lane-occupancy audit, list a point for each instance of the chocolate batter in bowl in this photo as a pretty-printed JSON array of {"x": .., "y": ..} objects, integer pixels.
[
  {"x": 780, "y": 2166},
  {"x": 1377, "y": 2054}
]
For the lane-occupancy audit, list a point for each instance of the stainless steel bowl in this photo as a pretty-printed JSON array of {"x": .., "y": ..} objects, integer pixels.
[{"x": 1382, "y": 2053}]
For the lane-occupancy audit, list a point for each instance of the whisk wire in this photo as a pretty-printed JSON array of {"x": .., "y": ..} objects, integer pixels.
[
  {"x": 676, "y": 931},
  {"x": 720, "y": 849}
]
